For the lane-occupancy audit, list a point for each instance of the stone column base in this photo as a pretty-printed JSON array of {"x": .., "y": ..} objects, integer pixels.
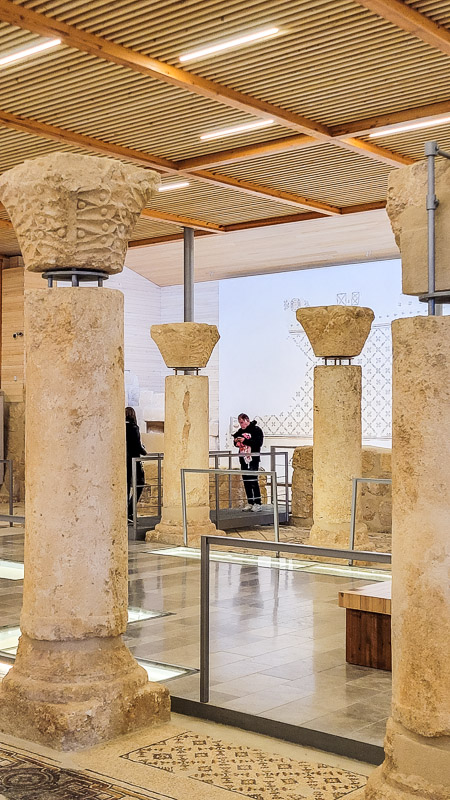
[
  {"x": 74, "y": 694},
  {"x": 338, "y": 535},
  {"x": 416, "y": 767},
  {"x": 173, "y": 534}
]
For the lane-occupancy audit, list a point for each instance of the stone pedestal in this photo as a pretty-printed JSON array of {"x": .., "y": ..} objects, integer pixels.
[
  {"x": 186, "y": 346},
  {"x": 417, "y": 764},
  {"x": 74, "y": 683},
  {"x": 337, "y": 333}
]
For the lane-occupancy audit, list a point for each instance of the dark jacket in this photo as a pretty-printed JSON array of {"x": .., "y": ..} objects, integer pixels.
[
  {"x": 135, "y": 447},
  {"x": 256, "y": 436}
]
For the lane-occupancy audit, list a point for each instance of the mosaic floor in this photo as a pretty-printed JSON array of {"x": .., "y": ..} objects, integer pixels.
[
  {"x": 172, "y": 762},
  {"x": 277, "y": 639}
]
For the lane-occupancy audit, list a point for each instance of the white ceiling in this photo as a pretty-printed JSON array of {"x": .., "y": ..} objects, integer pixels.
[{"x": 298, "y": 245}]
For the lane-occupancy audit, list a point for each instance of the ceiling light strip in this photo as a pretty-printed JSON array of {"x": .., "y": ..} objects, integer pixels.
[
  {"x": 169, "y": 187},
  {"x": 18, "y": 55},
  {"x": 228, "y": 44},
  {"x": 247, "y": 126},
  {"x": 411, "y": 126}
]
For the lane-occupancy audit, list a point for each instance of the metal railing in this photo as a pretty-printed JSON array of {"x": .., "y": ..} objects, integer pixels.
[
  {"x": 217, "y": 472},
  {"x": 277, "y": 547},
  {"x": 355, "y": 482},
  {"x": 216, "y": 455},
  {"x": 11, "y": 518}
]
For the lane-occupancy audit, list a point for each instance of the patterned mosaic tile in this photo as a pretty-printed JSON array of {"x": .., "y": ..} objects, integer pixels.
[
  {"x": 27, "y": 777},
  {"x": 246, "y": 771}
]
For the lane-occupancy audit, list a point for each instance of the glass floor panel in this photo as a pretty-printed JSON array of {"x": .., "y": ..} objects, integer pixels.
[{"x": 364, "y": 573}]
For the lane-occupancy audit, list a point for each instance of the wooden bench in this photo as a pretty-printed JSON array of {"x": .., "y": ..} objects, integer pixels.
[{"x": 368, "y": 625}]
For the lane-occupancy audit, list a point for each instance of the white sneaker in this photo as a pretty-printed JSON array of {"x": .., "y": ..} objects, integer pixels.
[
  {"x": 248, "y": 507},
  {"x": 256, "y": 507}
]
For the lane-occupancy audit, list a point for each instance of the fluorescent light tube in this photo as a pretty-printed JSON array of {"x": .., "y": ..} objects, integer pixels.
[
  {"x": 169, "y": 187},
  {"x": 29, "y": 51},
  {"x": 228, "y": 44},
  {"x": 248, "y": 126},
  {"x": 410, "y": 126}
]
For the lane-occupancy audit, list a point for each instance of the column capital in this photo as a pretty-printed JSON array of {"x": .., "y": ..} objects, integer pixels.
[
  {"x": 75, "y": 212},
  {"x": 185, "y": 345},
  {"x": 336, "y": 331}
]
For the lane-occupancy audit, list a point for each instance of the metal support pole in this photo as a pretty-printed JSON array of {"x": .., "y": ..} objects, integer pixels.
[
  {"x": 204, "y": 619},
  {"x": 183, "y": 507},
  {"x": 230, "y": 492},
  {"x": 431, "y": 150},
  {"x": 276, "y": 518},
  {"x": 11, "y": 491},
  {"x": 286, "y": 483},
  {"x": 353, "y": 517},
  {"x": 216, "y": 488},
  {"x": 159, "y": 485},
  {"x": 188, "y": 253}
]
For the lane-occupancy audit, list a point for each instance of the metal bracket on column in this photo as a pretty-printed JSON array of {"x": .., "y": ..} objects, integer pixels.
[
  {"x": 337, "y": 361},
  {"x": 75, "y": 276},
  {"x": 186, "y": 370}
]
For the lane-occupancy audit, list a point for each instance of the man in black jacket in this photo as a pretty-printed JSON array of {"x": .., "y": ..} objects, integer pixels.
[{"x": 249, "y": 439}]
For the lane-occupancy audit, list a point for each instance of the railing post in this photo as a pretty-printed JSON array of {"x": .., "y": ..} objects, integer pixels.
[
  {"x": 133, "y": 489},
  {"x": 353, "y": 517},
  {"x": 159, "y": 485},
  {"x": 11, "y": 491},
  {"x": 204, "y": 619},
  {"x": 183, "y": 507},
  {"x": 216, "y": 489}
]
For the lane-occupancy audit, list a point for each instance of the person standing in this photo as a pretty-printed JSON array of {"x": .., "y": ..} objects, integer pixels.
[
  {"x": 135, "y": 448},
  {"x": 249, "y": 439}
]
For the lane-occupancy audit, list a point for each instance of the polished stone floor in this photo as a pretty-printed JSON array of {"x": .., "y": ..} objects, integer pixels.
[{"x": 277, "y": 638}]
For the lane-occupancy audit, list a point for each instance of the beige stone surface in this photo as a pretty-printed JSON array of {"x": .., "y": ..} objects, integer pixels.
[
  {"x": 186, "y": 445},
  {"x": 417, "y": 748},
  {"x": 337, "y": 453},
  {"x": 336, "y": 330},
  {"x": 374, "y": 506},
  {"x": 74, "y": 211},
  {"x": 185, "y": 344},
  {"x": 406, "y": 207},
  {"x": 74, "y": 682}
]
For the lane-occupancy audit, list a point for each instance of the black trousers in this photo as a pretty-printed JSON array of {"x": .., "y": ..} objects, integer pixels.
[
  {"x": 251, "y": 483},
  {"x": 140, "y": 481}
]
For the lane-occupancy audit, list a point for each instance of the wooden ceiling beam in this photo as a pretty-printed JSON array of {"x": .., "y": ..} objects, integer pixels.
[
  {"x": 37, "y": 128},
  {"x": 412, "y": 21},
  {"x": 118, "y": 54},
  {"x": 171, "y": 237},
  {"x": 363, "y": 148},
  {"x": 5, "y": 223}
]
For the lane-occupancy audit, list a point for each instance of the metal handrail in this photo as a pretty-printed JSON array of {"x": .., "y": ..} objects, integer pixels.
[
  {"x": 277, "y": 547},
  {"x": 355, "y": 482},
  {"x": 273, "y": 475}
]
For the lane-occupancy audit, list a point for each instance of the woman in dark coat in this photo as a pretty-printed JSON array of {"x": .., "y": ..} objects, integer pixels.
[
  {"x": 249, "y": 439},
  {"x": 135, "y": 449}
]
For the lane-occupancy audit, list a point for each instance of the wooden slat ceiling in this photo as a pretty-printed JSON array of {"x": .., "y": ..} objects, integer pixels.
[{"x": 333, "y": 64}]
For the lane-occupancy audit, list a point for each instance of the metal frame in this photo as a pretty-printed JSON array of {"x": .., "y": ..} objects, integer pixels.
[
  {"x": 11, "y": 518},
  {"x": 273, "y": 475},
  {"x": 188, "y": 284},
  {"x": 433, "y": 298},
  {"x": 152, "y": 457},
  {"x": 355, "y": 482},
  {"x": 277, "y": 547}
]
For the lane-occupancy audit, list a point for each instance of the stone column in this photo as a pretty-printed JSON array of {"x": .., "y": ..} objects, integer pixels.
[
  {"x": 417, "y": 744},
  {"x": 74, "y": 683},
  {"x": 336, "y": 333},
  {"x": 185, "y": 346},
  {"x": 417, "y": 741}
]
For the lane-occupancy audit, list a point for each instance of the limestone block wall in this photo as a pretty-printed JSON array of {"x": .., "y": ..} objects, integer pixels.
[
  {"x": 374, "y": 500},
  {"x": 148, "y": 504}
]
